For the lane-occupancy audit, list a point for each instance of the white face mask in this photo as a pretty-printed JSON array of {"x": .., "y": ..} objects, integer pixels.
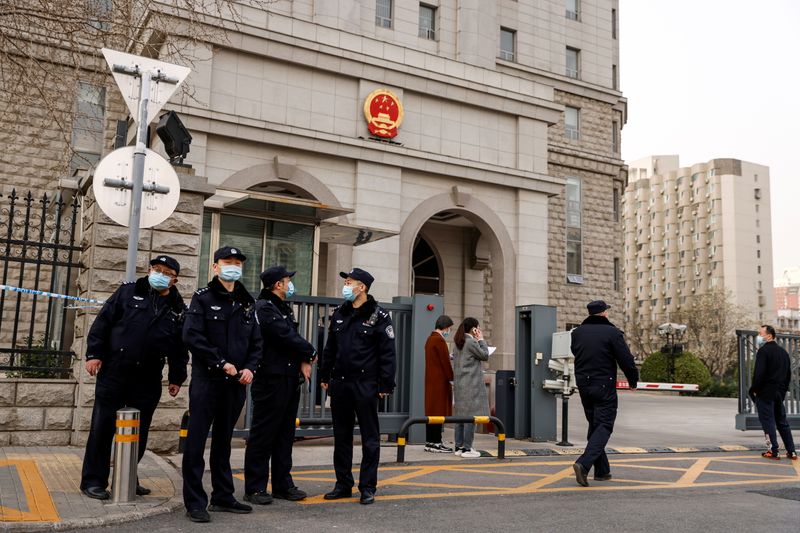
[{"x": 760, "y": 341}]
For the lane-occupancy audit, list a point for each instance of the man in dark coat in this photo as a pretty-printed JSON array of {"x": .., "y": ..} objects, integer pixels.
[
  {"x": 598, "y": 347},
  {"x": 285, "y": 366},
  {"x": 771, "y": 378},
  {"x": 138, "y": 328},
  {"x": 221, "y": 331},
  {"x": 358, "y": 368}
]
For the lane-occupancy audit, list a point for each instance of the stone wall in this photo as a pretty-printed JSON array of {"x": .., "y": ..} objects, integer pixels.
[{"x": 36, "y": 412}]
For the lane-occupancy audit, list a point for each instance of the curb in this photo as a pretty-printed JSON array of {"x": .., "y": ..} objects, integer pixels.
[
  {"x": 551, "y": 452},
  {"x": 173, "y": 504}
]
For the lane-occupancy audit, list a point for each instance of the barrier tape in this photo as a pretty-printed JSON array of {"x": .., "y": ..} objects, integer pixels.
[{"x": 50, "y": 294}]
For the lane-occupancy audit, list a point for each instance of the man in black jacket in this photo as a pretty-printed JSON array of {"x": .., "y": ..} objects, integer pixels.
[
  {"x": 771, "y": 378},
  {"x": 599, "y": 347},
  {"x": 358, "y": 368},
  {"x": 138, "y": 328},
  {"x": 221, "y": 331},
  {"x": 285, "y": 366}
]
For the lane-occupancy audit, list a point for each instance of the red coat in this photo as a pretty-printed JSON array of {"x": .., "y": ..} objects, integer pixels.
[{"x": 438, "y": 376}]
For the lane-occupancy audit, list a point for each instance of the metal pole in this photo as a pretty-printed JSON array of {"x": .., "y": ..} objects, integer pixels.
[
  {"x": 564, "y": 421},
  {"x": 138, "y": 178},
  {"x": 126, "y": 455}
]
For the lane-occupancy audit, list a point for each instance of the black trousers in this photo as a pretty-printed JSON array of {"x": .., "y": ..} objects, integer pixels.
[
  {"x": 275, "y": 401},
  {"x": 112, "y": 393},
  {"x": 348, "y": 400},
  {"x": 599, "y": 399},
  {"x": 772, "y": 415},
  {"x": 215, "y": 405},
  {"x": 433, "y": 433}
]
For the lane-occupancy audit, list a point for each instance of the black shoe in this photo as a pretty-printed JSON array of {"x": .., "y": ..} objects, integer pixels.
[
  {"x": 293, "y": 494},
  {"x": 259, "y": 498},
  {"x": 367, "y": 496},
  {"x": 141, "y": 491},
  {"x": 580, "y": 475},
  {"x": 338, "y": 493},
  {"x": 607, "y": 477},
  {"x": 233, "y": 507},
  {"x": 198, "y": 515},
  {"x": 96, "y": 493}
]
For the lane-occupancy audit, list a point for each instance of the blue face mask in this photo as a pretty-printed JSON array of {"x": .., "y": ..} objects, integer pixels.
[
  {"x": 445, "y": 334},
  {"x": 230, "y": 272},
  {"x": 348, "y": 294},
  {"x": 158, "y": 280},
  {"x": 290, "y": 290},
  {"x": 759, "y": 341}
]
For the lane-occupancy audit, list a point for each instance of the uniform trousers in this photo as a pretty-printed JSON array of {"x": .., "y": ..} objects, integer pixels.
[
  {"x": 599, "y": 399},
  {"x": 214, "y": 405},
  {"x": 772, "y": 415},
  {"x": 275, "y": 401},
  {"x": 348, "y": 400}
]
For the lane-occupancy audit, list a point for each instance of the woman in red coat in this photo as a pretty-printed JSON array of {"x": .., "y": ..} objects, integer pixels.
[{"x": 438, "y": 383}]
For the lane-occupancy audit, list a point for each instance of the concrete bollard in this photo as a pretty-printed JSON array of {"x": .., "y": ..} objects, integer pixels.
[{"x": 126, "y": 456}]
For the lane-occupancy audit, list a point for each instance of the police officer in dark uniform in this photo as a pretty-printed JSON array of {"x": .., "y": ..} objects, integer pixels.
[
  {"x": 138, "y": 328},
  {"x": 358, "y": 368},
  {"x": 221, "y": 330},
  {"x": 285, "y": 366},
  {"x": 599, "y": 347}
]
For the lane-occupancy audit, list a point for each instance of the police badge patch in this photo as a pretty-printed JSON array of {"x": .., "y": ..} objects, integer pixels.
[{"x": 390, "y": 332}]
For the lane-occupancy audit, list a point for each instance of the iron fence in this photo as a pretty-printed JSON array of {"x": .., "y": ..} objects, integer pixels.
[
  {"x": 747, "y": 417},
  {"x": 38, "y": 253}
]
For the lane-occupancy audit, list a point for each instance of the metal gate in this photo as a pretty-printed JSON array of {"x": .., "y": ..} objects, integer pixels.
[
  {"x": 38, "y": 253},
  {"x": 747, "y": 418}
]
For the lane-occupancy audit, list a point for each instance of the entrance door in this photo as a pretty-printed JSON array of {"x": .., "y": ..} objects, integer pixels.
[{"x": 427, "y": 275}]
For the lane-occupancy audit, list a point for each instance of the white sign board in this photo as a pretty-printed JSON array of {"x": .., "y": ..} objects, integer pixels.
[{"x": 115, "y": 201}]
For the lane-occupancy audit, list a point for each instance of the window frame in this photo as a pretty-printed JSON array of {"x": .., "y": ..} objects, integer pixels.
[
  {"x": 575, "y": 73},
  {"x": 572, "y": 133},
  {"x": 575, "y": 182},
  {"x": 382, "y": 21},
  {"x": 507, "y": 55},
  {"x": 429, "y": 33}
]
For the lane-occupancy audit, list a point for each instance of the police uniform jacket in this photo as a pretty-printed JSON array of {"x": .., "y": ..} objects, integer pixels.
[
  {"x": 360, "y": 346},
  {"x": 284, "y": 348},
  {"x": 221, "y": 327},
  {"x": 599, "y": 346},
  {"x": 137, "y": 330},
  {"x": 773, "y": 371}
]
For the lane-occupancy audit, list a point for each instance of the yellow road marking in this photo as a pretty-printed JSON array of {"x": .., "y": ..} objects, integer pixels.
[
  {"x": 446, "y": 486},
  {"x": 650, "y": 467},
  {"x": 631, "y": 450},
  {"x": 409, "y": 475},
  {"x": 42, "y": 508},
  {"x": 552, "y": 478},
  {"x": 733, "y": 448},
  {"x": 492, "y": 472},
  {"x": 694, "y": 472}
]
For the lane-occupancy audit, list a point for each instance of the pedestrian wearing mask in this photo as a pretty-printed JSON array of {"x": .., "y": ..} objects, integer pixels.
[
  {"x": 470, "y": 391},
  {"x": 438, "y": 383}
]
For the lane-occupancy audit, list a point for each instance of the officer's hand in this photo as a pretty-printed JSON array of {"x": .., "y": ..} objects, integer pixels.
[
  {"x": 230, "y": 369},
  {"x": 247, "y": 377},
  {"x": 324, "y": 386},
  {"x": 173, "y": 389},
  {"x": 93, "y": 366},
  {"x": 383, "y": 395},
  {"x": 305, "y": 369}
]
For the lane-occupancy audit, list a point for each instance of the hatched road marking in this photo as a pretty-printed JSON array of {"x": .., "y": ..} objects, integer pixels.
[{"x": 39, "y": 504}]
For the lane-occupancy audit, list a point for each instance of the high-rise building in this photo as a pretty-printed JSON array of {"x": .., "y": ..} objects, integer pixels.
[{"x": 787, "y": 300}]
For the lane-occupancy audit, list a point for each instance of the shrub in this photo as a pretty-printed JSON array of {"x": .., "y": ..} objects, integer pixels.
[{"x": 688, "y": 369}]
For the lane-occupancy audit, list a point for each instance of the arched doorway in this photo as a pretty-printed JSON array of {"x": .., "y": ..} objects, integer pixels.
[{"x": 427, "y": 268}]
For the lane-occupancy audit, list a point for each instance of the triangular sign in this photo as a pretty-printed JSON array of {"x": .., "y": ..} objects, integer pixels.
[{"x": 129, "y": 86}]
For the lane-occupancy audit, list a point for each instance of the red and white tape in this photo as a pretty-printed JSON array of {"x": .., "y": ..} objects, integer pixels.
[{"x": 644, "y": 385}]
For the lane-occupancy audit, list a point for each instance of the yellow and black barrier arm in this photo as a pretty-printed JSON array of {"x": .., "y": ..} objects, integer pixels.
[{"x": 498, "y": 424}]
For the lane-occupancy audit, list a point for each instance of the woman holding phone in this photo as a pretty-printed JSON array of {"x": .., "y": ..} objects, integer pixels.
[{"x": 470, "y": 392}]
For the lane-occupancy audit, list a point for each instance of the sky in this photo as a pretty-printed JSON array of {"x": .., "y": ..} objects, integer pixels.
[{"x": 707, "y": 79}]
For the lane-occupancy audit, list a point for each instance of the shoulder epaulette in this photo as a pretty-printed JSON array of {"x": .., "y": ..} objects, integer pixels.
[
  {"x": 201, "y": 290},
  {"x": 128, "y": 282}
]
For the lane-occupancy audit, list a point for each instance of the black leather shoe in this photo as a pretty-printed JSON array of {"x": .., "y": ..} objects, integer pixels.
[
  {"x": 293, "y": 494},
  {"x": 259, "y": 498},
  {"x": 338, "y": 493},
  {"x": 96, "y": 493},
  {"x": 607, "y": 477},
  {"x": 141, "y": 491},
  {"x": 233, "y": 507},
  {"x": 198, "y": 515},
  {"x": 580, "y": 475},
  {"x": 367, "y": 496}
]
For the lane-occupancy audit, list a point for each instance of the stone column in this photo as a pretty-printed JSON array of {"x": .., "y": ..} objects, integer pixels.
[{"x": 104, "y": 245}]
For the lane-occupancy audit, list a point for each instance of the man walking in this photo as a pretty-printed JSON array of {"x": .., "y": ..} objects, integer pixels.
[
  {"x": 358, "y": 368},
  {"x": 138, "y": 328},
  {"x": 599, "y": 347},
  {"x": 771, "y": 378},
  {"x": 221, "y": 331},
  {"x": 285, "y": 366}
]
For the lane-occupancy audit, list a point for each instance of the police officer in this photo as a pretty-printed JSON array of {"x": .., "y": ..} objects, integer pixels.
[
  {"x": 138, "y": 328},
  {"x": 599, "y": 347},
  {"x": 358, "y": 368},
  {"x": 285, "y": 366},
  {"x": 222, "y": 333}
]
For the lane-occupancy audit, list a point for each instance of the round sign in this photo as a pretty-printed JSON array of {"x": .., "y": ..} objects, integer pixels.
[
  {"x": 384, "y": 113},
  {"x": 113, "y": 179}
]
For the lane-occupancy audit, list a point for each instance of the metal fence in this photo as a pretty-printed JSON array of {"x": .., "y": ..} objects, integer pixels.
[
  {"x": 37, "y": 236},
  {"x": 747, "y": 418}
]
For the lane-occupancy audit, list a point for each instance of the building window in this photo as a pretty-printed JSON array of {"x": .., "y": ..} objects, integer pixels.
[
  {"x": 613, "y": 23},
  {"x": 574, "y": 239},
  {"x": 99, "y": 14},
  {"x": 758, "y": 254},
  {"x": 758, "y": 269},
  {"x": 507, "y": 44},
  {"x": 615, "y": 203},
  {"x": 615, "y": 136},
  {"x": 572, "y": 123},
  {"x": 87, "y": 126},
  {"x": 757, "y": 194},
  {"x": 614, "y": 78},
  {"x": 383, "y": 13},
  {"x": 572, "y": 9},
  {"x": 616, "y": 273},
  {"x": 573, "y": 65},
  {"x": 427, "y": 22}
]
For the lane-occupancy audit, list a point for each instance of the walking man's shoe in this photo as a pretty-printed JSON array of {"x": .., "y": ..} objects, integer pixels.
[
  {"x": 607, "y": 477},
  {"x": 293, "y": 494},
  {"x": 791, "y": 455},
  {"x": 259, "y": 498},
  {"x": 770, "y": 454},
  {"x": 142, "y": 491},
  {"x": 367, "y": 496},
  {"x": 96, "y": 493},
  {"x": 198, "y": 515},
  {"x": 338, "y": 493},
  {"x": 580, "y": 475},
  {"x": 233, "y": 507}
]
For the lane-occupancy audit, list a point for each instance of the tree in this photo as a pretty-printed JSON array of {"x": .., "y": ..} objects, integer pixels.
[{"x": 640, "y": 335}]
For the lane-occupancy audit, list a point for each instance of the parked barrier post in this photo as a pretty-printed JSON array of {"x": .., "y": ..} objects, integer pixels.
[
  {"x": 184, "y": 432},
  {"x": 564, "y": 421},
  {"x": 498, "y": 424},
  {"x": 126, "y": 456}
]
